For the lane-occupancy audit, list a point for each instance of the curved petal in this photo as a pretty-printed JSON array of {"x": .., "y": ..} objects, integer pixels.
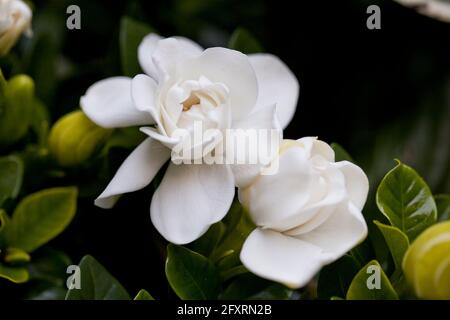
[
  {"x": 342, "y": 231},
  {"x": 108, "y": 103},
  {"x": 145, "y": 53},
  {"x": 265, "y": 122},
  {"x": 274, "y": 256},
  {"x": 277, "y": 85},
  {"x": 143, "y": 92},
  {"x": 137, "y": 171},
  {"x": 189, "y": 199},
  {"x": 170, "y": 52},
  {"x": 230, "y": 68},
  {"x": 356, "y": 183}
]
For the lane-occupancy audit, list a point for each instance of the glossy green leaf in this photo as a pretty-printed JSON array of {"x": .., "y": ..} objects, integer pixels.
[
  {"x": 131, "y": 34},
  {"x": 242, "y": 40},
  {"x": 11, "y": 176},
  {"x": 208, "y": 242},
  {"x": 249, "y": 286},
  {"x": 396, "y": 240},
  {"x": 406, "y": 200},
  {"x": 144, "y": 295},
  {"x": 335, "y": 279},
  {"x": 14, "y": 274},
  {"x": 96, "y": 283},
  {"x": 443, "y": 206},
  {"x": 191, "y": 275},
  {"x": 40, "y": 217},
  {"x": 50, "y": 265},
  {"x": 340, "y": 154},
  {"x": 365, "y": 287}
]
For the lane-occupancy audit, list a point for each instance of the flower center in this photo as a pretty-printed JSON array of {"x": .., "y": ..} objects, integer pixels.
[{"x": 191, "y": 101}]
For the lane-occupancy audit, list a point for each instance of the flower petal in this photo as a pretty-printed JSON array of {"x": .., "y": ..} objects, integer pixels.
[
  {"x": 189, "y": 199},
  {"x": 170, "y": 52},
  {"x": 108, "y": 103},
  {"x": 145, "y": 53},
  {"x": 356, "y": 183},
  {"x": 230, "y": 68},
  {"x": 342, "y": 231},
  {"x": 263, "y": 119},
  {"x": 277, "y": 85},
  {"x": 137, "y": 171},
  {"x": 274, "y": 256}
]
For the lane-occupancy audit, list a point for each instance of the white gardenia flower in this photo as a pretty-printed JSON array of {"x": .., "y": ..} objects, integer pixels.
[
  {"x": 307, "y": 215},
  {"x": 15, "y": 19},
  {"x": 184, "y": 85}
]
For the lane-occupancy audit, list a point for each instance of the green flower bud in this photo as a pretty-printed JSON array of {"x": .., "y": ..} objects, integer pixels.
[
  {"x": 427, "y": 263},
  {"x": 16, "y": 108},
  {"x": 74, "y": 139}
]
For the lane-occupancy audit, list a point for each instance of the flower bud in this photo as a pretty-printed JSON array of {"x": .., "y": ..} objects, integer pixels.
[
  {"x": 74, "y": 139},
  {"x": 15, "y": 19},
  {"x": 427, "y": 263},
  {"x": 16, "y": 108}
]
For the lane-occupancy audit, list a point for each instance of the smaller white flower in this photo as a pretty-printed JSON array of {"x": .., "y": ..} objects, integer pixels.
[
  {"x": 307, "y": 215},
  {"x": 15, "y": 19}
]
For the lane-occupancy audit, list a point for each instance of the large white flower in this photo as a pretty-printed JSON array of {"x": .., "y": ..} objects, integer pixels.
[
  {"x": 184, "y": 85},
  {"x": 307, "y": 215},
  {"x": 15, "y": 18}
]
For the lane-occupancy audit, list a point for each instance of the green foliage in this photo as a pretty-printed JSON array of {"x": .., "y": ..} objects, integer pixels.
[
  {"x": 96, "y": 283},
  {"x": 242, "y": 40},
  {"x": 443, "y": 206},
  {"x": 397, "y": 242},
  {"x": 131, "y": 34},
  {"x": 340, "y": 154},
  {"x": 40, "y": 217},
  {"x": 359, "y": 288},
  {"x": 406, "y": 200},
  {"x": 191, "y": 275},
  {"x": 143, "y": 295},
  {"x": 11, "y": 176}
]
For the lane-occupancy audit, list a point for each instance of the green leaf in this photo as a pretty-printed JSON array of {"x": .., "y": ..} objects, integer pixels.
[
  {"x": 340, "y": 154},
  {"x": 397, "y": 242},
  {"x": 40, "y": 122},
  {"x": 14, "y": 255},
  {"x": 96, "y": 283},
  {"x": 40, "y": 217},
  {"x": 406, "y": 200},
  {"x": 14, "y": 274},
  {"x": 50, "y": 265},
  {"x": 443, "y": 206},
  {"x": 143, "y": 295},
  {"x": 242, "y": 40},
  {"x": 335, "y": 279},
  {"x": 359, "y": 288},
  {"x": 249, "y": 286},
  {"x": 191, "y": 275},
  {"x": 131, "y": 34},
  {"x": 208, "y": 242},
  {"x": 11, "y": 176}
]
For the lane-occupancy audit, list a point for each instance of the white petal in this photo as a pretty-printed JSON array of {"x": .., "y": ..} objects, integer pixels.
[
  {"x": 356, "y": 183},
  {"x": 108, "y": 103},
  {"x": 189, "y": 199},
  {"x": 231, "y": 68},
  {"x": 274, "y": 200},
  {"x": 170, "y": 52},
  {"x": 274, "y": 256},
  {"x": 277, "y": 85},
  {"x": 342, "y": 231},
  {"x": 263, "y": 119},
  {"x": 143, "y": 92},
  {"x": 145, "y": 53},
  {"x": 137, "y": 171}
]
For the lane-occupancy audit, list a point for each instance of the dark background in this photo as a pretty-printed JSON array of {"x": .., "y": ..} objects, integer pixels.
[{"x": 382, "y": 94}]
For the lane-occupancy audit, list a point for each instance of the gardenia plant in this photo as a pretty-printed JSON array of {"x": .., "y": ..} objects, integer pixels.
[{"x": 184, "y": 85}]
